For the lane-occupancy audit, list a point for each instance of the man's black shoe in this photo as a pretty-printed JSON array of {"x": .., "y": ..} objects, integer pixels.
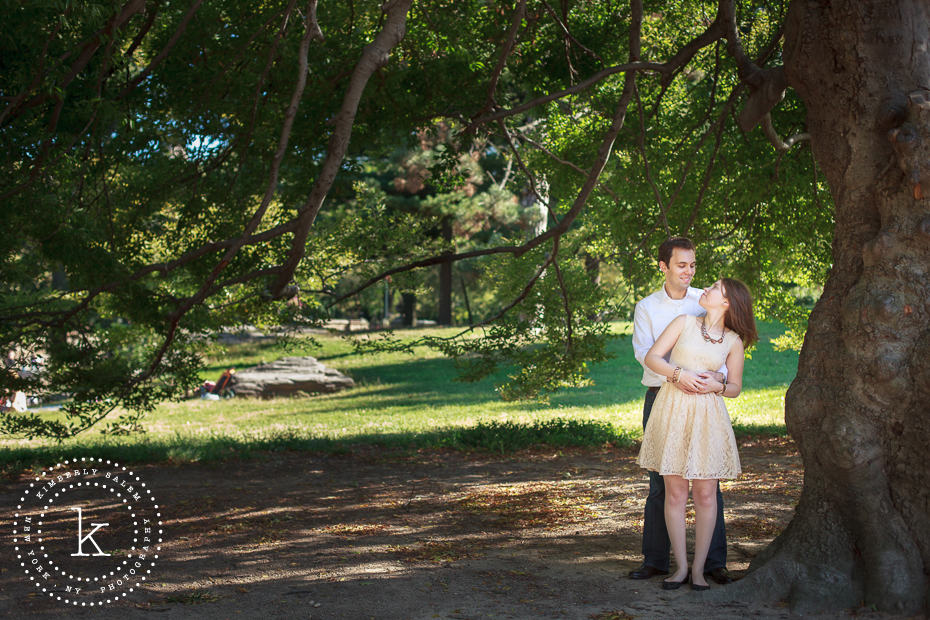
[
  {"x": 721, "y": 575},
  {"x": 645, "y": 572}
]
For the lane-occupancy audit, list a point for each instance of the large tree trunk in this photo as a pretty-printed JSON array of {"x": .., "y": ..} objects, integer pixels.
[{"x": 858, "y": 408}]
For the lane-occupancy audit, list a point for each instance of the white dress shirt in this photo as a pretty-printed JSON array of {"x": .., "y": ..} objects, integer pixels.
[{"x": 652, "y": 316}]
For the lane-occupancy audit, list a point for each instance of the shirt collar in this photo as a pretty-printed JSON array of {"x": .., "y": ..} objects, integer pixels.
[{"x": 664, "y": 296}]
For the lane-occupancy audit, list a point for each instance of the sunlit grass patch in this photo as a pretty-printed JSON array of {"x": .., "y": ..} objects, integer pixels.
[
  {"x": 759, "y": 411},
  {"x": 407, "y": 401}
]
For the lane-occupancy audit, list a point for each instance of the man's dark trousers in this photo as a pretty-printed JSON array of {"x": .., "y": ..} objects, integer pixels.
[{"x": 655, "y": 535}]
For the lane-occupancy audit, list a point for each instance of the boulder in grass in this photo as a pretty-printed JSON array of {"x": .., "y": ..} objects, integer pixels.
[{"x": 289, "y": 376}]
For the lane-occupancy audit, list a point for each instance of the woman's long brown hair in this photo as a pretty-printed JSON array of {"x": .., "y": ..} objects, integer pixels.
[{"x": 739, "y": 316}]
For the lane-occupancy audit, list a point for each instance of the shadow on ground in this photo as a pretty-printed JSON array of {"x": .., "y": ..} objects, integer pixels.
[{"x": 540, "y": 533}]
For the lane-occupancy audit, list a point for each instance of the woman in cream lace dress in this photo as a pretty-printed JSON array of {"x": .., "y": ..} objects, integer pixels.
[{"x": 688, "y": 438}]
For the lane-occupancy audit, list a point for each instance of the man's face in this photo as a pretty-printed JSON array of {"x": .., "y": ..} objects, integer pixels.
[{"x": 680, "y": 272}]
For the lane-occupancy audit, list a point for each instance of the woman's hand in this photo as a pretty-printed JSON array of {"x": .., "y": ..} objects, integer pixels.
[{"x": 690, "y": 382}]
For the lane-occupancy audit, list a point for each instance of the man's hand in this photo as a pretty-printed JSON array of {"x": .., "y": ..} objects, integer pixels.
[
  {"x": 710, "y": 382},
  {"x": 703, "y": 383},
  {"x": 719, "y": 377}
]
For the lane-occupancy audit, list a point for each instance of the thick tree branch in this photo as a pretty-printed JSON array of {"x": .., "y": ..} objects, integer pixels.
[
  {"x": 311, "y": 31},
  {"x": 374, "y": 56},
  {"x": 748, "y": 71},
  {"x": 151, "y": 14},
  {"x": 766, "y": 86}
]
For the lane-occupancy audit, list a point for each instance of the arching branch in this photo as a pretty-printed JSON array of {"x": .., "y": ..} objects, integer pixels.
[
  {"x": 519, "y": 13},
  {"x": 577, "y": 88},
  {"x": 374, "y": 56},
  {"x": 311, "y": 32},
  {"x": 773, "y": 137}
]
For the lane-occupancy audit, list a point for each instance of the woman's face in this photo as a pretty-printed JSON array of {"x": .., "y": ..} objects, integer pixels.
[{"x": 714, "y": 296}]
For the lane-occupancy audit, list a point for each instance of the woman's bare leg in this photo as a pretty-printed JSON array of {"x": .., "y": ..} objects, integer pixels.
[
  {"x": 705, "y": 509},
  {"x": 676, "y": 496}
]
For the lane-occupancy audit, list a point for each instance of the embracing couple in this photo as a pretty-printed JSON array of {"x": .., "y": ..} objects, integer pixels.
[{"x": 691, "y": 344}]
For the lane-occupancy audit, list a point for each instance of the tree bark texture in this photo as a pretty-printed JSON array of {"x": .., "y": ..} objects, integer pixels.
[{"x": 858, "y": 408}]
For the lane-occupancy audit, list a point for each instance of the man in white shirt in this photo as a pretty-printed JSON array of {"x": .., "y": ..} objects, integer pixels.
[{"x": 652, "y": 316}]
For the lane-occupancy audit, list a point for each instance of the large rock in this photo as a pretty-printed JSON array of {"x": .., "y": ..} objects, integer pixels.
[{"x": 289, "y": 376}]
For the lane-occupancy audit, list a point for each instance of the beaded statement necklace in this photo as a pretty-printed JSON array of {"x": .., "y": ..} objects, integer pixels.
[{"x": 707, "y": 336}]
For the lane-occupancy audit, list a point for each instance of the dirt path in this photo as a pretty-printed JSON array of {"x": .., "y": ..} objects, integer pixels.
[{"x": 538, "y": 534}]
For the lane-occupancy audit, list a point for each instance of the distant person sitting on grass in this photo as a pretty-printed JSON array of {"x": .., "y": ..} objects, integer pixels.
[
  {"x": 222, "y": 388},
  {"x": 17, "y": 403}
]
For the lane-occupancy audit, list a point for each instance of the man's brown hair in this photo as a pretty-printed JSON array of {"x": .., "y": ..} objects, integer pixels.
[{"x": 669, "y": 245}]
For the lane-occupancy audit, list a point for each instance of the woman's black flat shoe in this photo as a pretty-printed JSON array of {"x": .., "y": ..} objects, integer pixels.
[
  {"x": 674, "y": 585},
  {"x": 698, "y": 588}
]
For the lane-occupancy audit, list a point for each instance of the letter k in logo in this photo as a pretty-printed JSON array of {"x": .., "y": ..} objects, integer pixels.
[{"x": 89, "y": 536}]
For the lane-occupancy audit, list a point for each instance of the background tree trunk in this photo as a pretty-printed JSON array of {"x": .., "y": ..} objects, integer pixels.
[
  {"x": 592, "y": 265},
  {"x": 445, "y": 278},
  {"x": 471, "y": 319},
  {"x": 409, "y": 308},
  {"x": 858, "y": 407}
]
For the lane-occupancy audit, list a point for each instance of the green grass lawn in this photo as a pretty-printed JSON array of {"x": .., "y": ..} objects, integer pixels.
[{"x": 411, "y": 400}]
